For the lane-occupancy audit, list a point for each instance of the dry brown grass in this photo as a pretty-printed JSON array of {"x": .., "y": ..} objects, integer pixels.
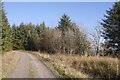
[
  {"x": 102, "y": 67},
  {"x": 9, "y": 60},
  {"x": 0, "y": 66},
  {"x": 62, "y": 65},
  {"x": 81, "y": 66}
]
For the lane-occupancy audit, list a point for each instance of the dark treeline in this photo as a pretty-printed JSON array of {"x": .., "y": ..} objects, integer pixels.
[{"x": 66, "y": 37}]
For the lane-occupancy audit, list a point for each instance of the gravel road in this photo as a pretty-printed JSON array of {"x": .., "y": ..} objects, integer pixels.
[{"x": 30, "y": 67}]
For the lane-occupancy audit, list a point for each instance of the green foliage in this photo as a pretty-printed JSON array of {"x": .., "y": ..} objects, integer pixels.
[
  {"x": 16, "y": 37},
  {"x": 6, "y": 33},
  {"x": 111, "y": 27},
  {"x": 66, "y": 38},
  {"x": 65, "y": 23},
  {"x": 31, "y": 37},
  {"x": 24, "y": 37},
  {"x": 0, "y": 27},
  {"x": 40, "y": 29}
]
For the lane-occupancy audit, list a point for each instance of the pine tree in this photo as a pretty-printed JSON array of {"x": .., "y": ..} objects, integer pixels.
[
  {"x": 41, "y": 29},
  {"x": 6, "y": 33},
  {"x": 15, "y": 39},
  {"x": 64, "y": 23},
  {"x": 24, "y": 36},
  {"x": 64, "y": 26},
  {"x": 0, "y": 27},
  {"x": 31, "y": 37},
  {"x": 72, "y": 39},
  {"x": 111, "y": 27}
]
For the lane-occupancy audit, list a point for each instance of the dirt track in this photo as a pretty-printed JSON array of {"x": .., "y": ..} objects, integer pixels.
[{"x": 30, "y": 67}]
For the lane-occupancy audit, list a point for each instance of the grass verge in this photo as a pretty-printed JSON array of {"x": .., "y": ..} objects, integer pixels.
[
  {"x": 64, "y": 71},
  {"x": 74, "y": 66},
  {"x": 9, "y": 61}
]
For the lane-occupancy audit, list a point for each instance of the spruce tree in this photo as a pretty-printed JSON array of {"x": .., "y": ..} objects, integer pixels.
[
  {"x": 41, "y": 29},
  {"x": 0, "y": 27},
  {"x": 111, "y": 29},
  {"x": 16, "y": 37},
  {"x": 64, "y": 25},
  {"x": 31, "y": 37},
  {"x": 6, "y": 33}
]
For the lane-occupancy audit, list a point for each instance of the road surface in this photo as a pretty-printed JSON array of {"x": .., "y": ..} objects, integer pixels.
[{"x": 30, "y": 67}]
